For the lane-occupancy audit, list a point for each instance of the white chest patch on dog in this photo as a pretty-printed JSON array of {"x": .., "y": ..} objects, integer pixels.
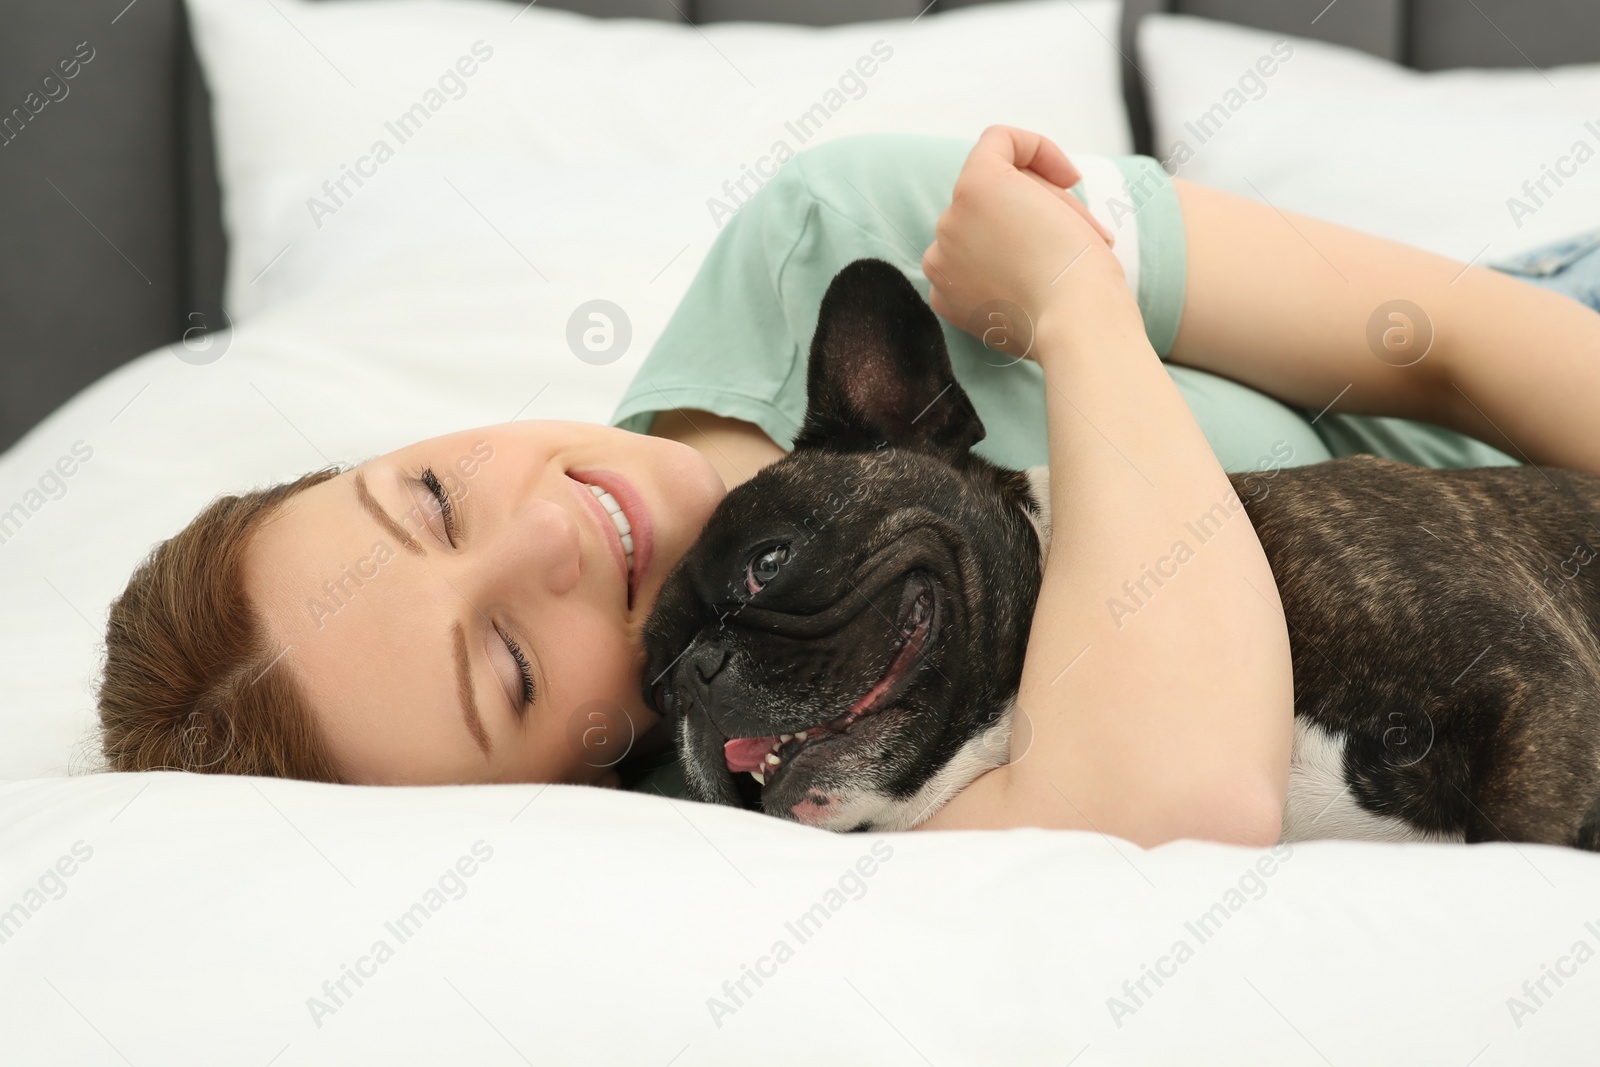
[
  {"x": 1039, "y": 483},
  {"x": 1320, "y": 804}
]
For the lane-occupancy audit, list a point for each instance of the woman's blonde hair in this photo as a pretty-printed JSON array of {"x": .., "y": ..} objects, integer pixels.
[{"x": 191, "y": 680}]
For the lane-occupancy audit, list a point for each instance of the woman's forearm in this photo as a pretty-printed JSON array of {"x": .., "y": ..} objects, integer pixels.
[
  {"x": 1170, "y": 716},
  {"x": 1281, "y": 303},
  {"x": 1522, "y": 370},
  {"x": 1287, "y": 304}
]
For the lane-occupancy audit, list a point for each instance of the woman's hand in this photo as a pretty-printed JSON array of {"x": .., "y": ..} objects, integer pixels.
[{"x": 1014, "y": 235}]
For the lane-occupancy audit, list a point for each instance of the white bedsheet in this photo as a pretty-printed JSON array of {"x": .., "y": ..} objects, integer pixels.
[{"x": 598, "y": 927}]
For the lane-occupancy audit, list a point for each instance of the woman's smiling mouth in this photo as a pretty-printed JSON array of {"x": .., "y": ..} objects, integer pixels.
[
  {"x": 620, "y": 509},
  {"x": 619, "y": 519}
]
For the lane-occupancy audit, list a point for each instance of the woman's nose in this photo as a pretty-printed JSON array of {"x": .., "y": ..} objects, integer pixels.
[{"x": 537, "y": 550}]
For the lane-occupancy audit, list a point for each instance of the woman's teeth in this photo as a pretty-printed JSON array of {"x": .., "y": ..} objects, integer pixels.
[{"x": 618, "y": 519}]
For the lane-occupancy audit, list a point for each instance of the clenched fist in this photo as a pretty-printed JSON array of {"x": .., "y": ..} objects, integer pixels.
[{"x": 1014, "y": 236}]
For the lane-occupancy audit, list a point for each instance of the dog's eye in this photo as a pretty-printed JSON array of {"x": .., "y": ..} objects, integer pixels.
[{"x": 764, "y": 567}]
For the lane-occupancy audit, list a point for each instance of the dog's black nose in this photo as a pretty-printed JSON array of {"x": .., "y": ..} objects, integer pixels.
[
  {"x": 692, "y": 677},
  {"x": 708, "y": 661}
]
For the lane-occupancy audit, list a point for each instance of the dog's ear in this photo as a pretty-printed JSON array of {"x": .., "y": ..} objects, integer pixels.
[{"x": 880, "y": 370}]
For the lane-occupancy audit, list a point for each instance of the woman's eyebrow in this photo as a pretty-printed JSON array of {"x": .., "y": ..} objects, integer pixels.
[
  {"x": 469, "y": 705},
  {"x": 382, "y": 518}
]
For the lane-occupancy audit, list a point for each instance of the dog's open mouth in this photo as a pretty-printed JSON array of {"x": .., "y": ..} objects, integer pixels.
[{"x": 764, "y": 758}]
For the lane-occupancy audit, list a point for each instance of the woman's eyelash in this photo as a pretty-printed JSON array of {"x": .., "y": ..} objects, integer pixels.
[
  {"x": 529, "y": 693},
  {"x": 446, "y": 509}
]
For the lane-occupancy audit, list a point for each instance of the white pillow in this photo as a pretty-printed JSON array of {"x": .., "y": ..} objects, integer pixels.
[
  {"x": 310, "y": 93},
  {"x": 1449, "y": 161}
]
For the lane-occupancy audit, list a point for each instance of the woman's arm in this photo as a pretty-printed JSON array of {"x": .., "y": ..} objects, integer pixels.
[
  {"x": 1176, "y": 722},
  {"x": 1282, "y": 303}
]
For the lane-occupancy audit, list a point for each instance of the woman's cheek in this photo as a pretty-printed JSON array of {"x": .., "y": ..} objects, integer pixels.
[{"x": 595, "y": 659}]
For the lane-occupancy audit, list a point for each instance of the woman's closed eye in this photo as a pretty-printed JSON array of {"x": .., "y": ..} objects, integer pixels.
[
  {"x": 526, "y": 690},
  {"x": 447, "y": 511},
  {"x": 530, "y": 693}
]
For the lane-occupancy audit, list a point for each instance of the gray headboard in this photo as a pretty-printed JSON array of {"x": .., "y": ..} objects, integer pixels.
[{"x": 110, "y": 230}]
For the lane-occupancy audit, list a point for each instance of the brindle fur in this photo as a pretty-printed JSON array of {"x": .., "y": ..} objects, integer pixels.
[{"x": 1445, "y": 621}]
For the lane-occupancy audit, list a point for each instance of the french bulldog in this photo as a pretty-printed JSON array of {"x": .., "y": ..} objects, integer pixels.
[{"x": 843, "y": 644}]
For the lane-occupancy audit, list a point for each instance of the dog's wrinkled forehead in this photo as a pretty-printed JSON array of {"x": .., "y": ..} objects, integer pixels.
[
  {"x": 837, "y": 506},
  {"x": 882, "y": 478},
  {"x": 815, "y": 488}
]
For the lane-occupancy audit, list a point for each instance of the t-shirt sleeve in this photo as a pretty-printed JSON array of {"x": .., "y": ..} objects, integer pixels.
[
  {"x": 1139, "y": 204},
  {"x": 737, "y": 343}
]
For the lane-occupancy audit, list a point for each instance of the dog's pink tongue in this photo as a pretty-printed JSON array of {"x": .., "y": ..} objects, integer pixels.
[{"x": 747, "y": 753}]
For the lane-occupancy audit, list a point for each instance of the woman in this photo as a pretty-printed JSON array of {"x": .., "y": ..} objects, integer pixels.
[{"x": 484, "y": 634}]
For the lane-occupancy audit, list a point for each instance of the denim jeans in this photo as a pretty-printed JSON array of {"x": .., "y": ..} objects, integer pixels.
[{"x": 1570, "y": 266}]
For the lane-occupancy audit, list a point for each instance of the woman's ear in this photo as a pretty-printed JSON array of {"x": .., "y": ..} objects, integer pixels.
[{"x": 880, "y": 371}]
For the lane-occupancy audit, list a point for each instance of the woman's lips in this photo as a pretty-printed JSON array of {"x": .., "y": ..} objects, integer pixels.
[
  {"x": 639, "y": 520},
  {"x": 607, "y": 532}
]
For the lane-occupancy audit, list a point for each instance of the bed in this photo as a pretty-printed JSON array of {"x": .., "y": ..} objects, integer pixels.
[{"x": 200, "y": 298}]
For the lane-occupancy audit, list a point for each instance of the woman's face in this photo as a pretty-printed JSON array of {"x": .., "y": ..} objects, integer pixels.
[{"x": 404, "y": 616}]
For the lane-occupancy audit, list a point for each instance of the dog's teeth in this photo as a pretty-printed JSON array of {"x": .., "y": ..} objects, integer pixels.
[
  {"x": 801, "y": 736},
  {"x": 773, "y": 761},
  {"x": 786, "y": 737},
  {"x": 758, "y": 776}
]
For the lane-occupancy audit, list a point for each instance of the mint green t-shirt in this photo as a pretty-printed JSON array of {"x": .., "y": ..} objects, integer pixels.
[{"x": 737, "y": 344}]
